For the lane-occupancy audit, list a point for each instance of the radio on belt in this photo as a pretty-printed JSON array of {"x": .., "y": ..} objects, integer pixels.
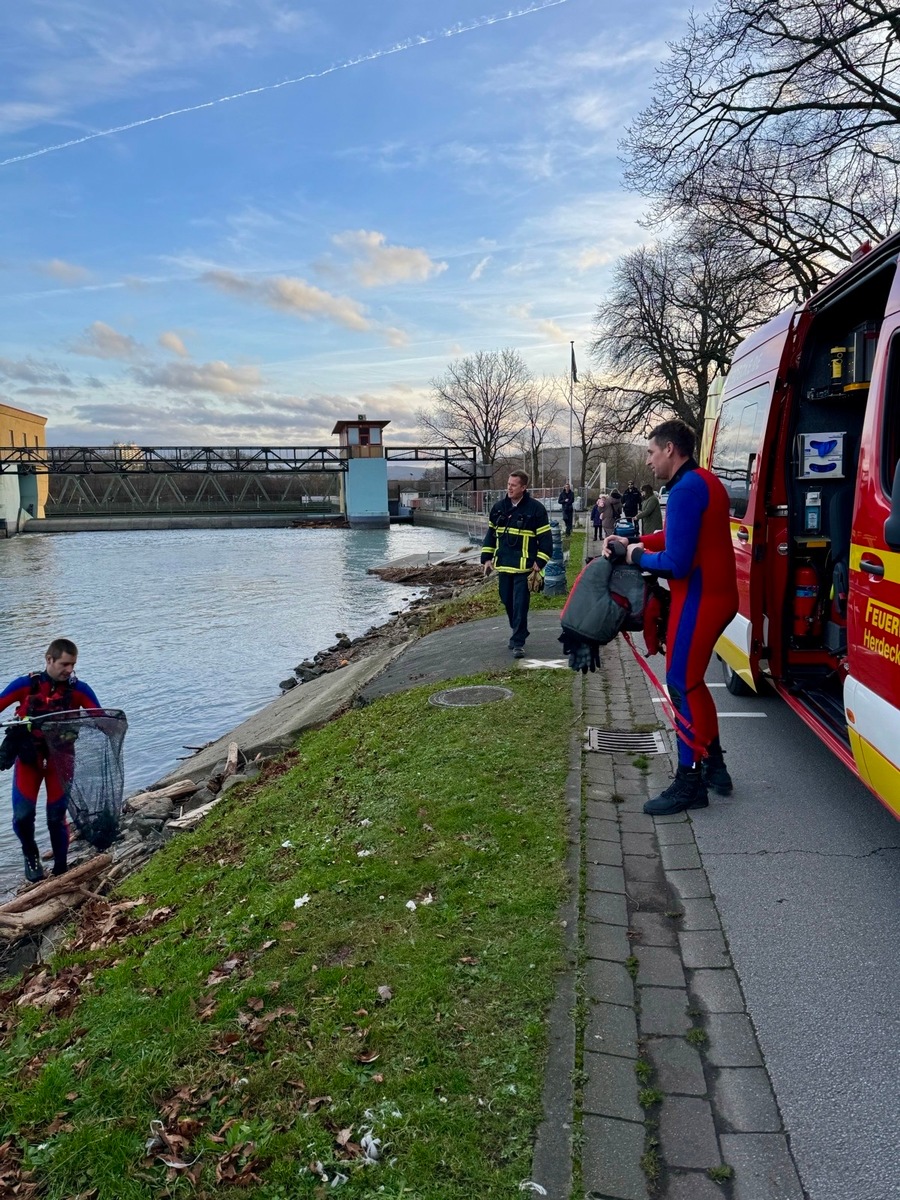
[{"x": 812, "y": 514}]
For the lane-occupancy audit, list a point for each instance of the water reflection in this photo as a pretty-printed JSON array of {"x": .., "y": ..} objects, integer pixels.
[{"x": 189, "y": 631}]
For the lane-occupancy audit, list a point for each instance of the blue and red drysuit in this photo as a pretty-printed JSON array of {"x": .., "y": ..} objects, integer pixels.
[
  {"x": 694, "y": 552},
  {"x": 35, "y": 695}
]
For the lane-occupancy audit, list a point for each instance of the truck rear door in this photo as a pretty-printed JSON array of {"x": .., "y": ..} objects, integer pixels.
[
  {"x": 872, "y": 688},
  {"x": 741, "y": 452}
]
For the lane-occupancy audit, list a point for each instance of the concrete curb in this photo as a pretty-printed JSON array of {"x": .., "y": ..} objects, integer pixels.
[{"x": 661, "y": 998}]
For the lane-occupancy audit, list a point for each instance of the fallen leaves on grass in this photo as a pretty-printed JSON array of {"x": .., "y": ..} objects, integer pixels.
[{"x": 14, "y": 1181}]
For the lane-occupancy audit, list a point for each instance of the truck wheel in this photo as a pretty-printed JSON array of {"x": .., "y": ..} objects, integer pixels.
[{"x": 733, "y": 681}]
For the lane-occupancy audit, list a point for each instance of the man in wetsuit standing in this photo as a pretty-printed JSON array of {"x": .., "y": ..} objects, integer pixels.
[
  {"x": 55, "y": 689},
  {"x": 695, "y": 554}
]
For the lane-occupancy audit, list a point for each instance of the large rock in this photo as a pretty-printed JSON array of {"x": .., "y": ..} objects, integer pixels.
[{"x": 275, "y": 728}]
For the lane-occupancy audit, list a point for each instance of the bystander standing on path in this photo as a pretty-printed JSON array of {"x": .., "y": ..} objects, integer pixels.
[
  {"x": 597, "y": 517},
  {"x": 631, "y": 500},
  {"x": 610, "y": 508},
  {"x": 518, "y": 545},
  {"x": 567, "y": 506},
  {"x": 650, "y": 513}
]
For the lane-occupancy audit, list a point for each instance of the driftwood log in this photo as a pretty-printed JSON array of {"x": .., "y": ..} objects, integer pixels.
[
  {"x": 58, "y": 885},
  {"x": 175, "y": 791},
  {"x": 231, "y": 760},
  {"x": 189, "y": 820}
]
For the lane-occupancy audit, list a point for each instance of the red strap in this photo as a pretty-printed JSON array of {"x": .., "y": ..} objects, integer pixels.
[{"x": 681, "y": 725}]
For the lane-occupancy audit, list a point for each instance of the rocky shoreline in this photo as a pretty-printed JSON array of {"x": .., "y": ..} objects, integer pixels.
[{"x": 443, "y": 581}]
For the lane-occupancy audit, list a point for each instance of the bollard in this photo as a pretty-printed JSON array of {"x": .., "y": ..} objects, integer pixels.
[{"x": 555, "y": 570}]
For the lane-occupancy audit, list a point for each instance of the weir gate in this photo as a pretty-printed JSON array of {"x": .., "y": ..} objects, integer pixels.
[{"x": 139, "y": 481}]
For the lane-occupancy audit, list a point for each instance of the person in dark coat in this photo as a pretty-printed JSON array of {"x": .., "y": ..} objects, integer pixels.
[
  {"x": 631, "y": 501},
  {"x": 596, "y": 518},
  {"x": 567, "y": 504}
]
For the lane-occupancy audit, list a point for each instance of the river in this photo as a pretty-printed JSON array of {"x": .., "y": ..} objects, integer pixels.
[{"x": 188, "y": 631}]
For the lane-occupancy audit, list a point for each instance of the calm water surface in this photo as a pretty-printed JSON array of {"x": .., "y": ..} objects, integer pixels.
[{"x": 188, "y": 631}]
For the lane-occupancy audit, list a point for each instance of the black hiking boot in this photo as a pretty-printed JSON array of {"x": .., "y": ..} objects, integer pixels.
[
  {"x": 687, "y": 790},
  {"x": 34, "y": 872},
  {"x": 60, "y": 866},
  {"x": 715, "y": 773}
]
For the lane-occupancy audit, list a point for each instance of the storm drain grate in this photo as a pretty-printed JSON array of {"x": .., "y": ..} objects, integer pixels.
[
  {"x": 616, "y": 741},
  {"x": 463, "y": 697}
]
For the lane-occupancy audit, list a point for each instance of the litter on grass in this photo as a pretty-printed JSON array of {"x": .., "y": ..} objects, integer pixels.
[{"x": 301, "y": 900}]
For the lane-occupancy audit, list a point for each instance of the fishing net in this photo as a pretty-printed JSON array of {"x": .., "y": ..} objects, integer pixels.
[{"x": 85, "y": 747}]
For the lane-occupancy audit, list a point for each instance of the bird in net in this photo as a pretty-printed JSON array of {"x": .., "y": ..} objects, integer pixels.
[{"x": 85, "y": 747}]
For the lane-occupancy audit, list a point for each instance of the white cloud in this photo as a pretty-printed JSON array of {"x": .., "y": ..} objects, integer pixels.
[
  {"x": 169, "y": 340},
  {"x": 552, "y": 332},
  {"x": 64, "y": 272},
  {"x": 294, "y": 296},
  {"x": 100, "y": 340},
  {"x": 29, "y": 370},
  {"x": 22, "y": 114},
  {"x": 216, "y": 377},
  {"x": 377, "y": 264},
  {"x": 478, "y": 269}
]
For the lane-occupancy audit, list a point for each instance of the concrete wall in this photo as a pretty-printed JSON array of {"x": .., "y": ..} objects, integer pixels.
[
  {"x": 366, "y": 493},
  {"x": 9, "y": 501}
]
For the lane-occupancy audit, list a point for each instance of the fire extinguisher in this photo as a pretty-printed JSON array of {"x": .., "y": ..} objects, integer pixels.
[{"x": 806, "y": 602}]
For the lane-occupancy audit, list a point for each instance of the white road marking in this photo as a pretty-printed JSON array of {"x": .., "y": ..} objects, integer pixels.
[
  {"x": 658, "y": 700},
  {"x": 535, "y": 664}
]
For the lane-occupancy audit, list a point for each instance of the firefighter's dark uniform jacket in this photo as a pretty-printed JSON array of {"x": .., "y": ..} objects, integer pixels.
[{"x": 518, "y": 535}]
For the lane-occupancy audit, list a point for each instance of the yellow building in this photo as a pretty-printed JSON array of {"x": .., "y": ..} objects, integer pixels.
[{"x": 22, "y": 492}]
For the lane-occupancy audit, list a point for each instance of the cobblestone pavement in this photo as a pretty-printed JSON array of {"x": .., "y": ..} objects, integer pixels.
[{"x": 657, "y": 1087}]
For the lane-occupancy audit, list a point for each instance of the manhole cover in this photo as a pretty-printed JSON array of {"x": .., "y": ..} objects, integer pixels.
[
  {"x": 616, "y": 741},
  {"x": 464, "y": 696}
]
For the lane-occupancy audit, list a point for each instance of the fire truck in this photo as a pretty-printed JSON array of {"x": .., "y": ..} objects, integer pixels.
[{"x": 805, "y": 436}]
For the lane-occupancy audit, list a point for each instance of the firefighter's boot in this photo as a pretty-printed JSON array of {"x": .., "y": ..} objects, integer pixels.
[
  {"x": 687, "y": 790},
  {"x": 715, "y": 773}
]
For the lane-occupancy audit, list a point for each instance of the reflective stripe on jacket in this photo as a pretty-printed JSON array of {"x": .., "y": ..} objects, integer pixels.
[{"x": 518, "y": 535}]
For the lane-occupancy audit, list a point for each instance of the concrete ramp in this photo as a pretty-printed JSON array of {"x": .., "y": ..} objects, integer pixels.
[{"x": 274, "y": 728}]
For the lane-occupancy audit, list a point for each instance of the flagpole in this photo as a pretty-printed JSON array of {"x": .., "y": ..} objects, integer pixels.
[{"x": 571, "y": 409}]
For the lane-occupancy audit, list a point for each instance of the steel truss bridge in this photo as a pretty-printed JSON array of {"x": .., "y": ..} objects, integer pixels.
[{"x": 167, "y": 480}]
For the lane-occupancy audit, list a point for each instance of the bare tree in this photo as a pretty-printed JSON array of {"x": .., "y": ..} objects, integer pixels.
[
  {"x": 540, "y": 413},
  {"x": 479, "y": 401},
  {"x": 780, "y": 122},
  {"x": 676, "y": 312},
  {"x": 591, "y": 420}
]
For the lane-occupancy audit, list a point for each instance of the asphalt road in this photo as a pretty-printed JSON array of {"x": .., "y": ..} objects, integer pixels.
[{"x": 805, "y": 866}]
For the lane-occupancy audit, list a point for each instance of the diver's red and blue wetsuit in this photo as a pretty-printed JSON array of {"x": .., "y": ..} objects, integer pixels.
[
  {"x": 694, "y": 552},
  {"x": 35, "y": 695}
]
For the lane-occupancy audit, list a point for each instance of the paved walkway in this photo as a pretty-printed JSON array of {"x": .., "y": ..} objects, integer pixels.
[{"x": 655, "y": 1076}]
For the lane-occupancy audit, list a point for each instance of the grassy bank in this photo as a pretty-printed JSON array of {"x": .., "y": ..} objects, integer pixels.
[{"x": 360, "y": 945}]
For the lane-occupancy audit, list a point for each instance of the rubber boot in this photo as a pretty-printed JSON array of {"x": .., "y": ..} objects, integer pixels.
[
  {"x": 715, "y": 773},
  {"x": 687, "y": 790},
  {"x": 59, "y": 840},
  {"x": 33, "y": 869}
]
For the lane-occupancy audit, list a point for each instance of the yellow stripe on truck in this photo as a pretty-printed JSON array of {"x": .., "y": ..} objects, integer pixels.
[
  {"x": 877, "y": 771},
  {"x": 890, "y": 558}
]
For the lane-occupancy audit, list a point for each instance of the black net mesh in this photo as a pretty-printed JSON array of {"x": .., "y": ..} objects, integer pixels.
[{"x": 86, "y": 749}]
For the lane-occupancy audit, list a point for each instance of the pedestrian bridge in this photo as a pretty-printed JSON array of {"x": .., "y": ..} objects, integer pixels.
[{"x": 293, "y": 481}]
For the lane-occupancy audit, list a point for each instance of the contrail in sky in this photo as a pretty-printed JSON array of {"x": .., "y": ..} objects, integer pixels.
[{"x": 407, "y": 44}]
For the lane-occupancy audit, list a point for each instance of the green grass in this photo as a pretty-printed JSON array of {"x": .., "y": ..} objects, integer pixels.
[{"x": 230, "y": 1014}]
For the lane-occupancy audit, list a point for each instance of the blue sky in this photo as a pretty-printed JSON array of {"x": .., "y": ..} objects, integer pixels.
[{"x": 248, "y": 271}]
